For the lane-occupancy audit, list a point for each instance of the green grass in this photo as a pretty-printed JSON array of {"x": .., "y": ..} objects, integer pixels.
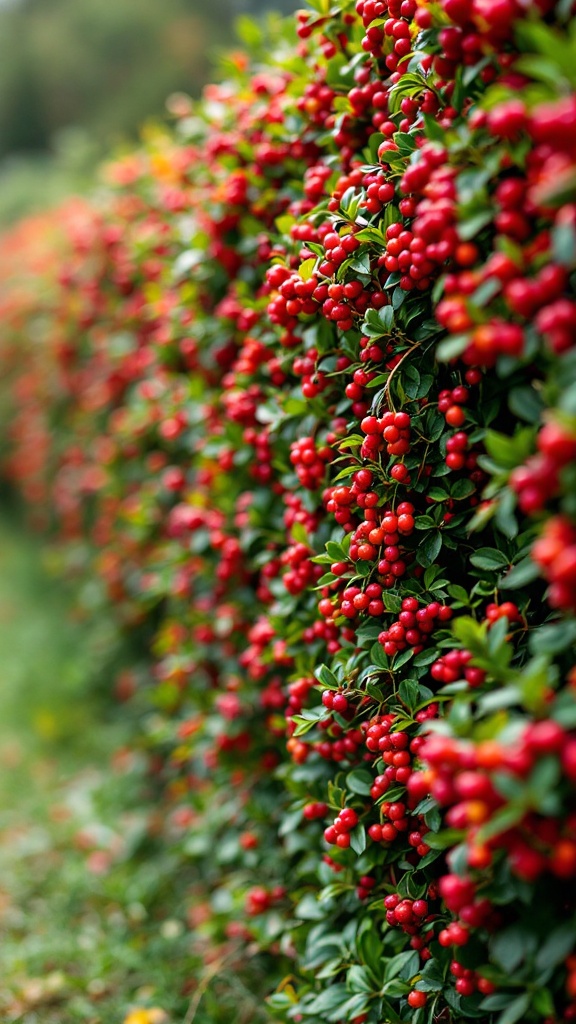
[
  {"x": 77, "y": 943},
  {"x": 93, "y": 904}
]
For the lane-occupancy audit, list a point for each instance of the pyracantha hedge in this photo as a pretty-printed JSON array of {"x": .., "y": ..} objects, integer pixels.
[{"x": 304, "y": 394}]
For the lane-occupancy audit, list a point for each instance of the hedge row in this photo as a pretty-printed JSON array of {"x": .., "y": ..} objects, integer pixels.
[{"x": 300, "y": 385}]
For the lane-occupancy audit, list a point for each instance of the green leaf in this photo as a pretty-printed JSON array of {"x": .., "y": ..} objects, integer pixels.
[
  {"x": 309, "y": 909},
  {"x": 328, "y": 577},
  {"x": 328, "y": 1000},
  {"x": 549, "y": 42},
  {"x": 425, "y": 523},
  {"x": 510, "y": 452},
  {"x": 536, "y": 680},
  {"x": 471, "y": 226},
  {"x": 472, "y": 634},
  {"x": 409, "y": 693},
  {"x": 497, "y": 633},
  {"x": 358, "y": 979},
  {"x": 403, "y": 963},
  {"x": 452, "y": 347},
  {"x": 374, "y": 144},
  {"x": 250, "y": 32},
  {"x": 307, "y": 720},
  {"x": 361, "y": 264},
  {"x": 462, "y": 489},
  {"x": 425, "y": 658},
  {"x": 557, "y": 946},
  {"x": 565, "y": 710},
  {"x": 369, "y": 947},
  {"x": 298, "y": 531},
  {"x": 325, "y": 676},
  {"x": 433, "y": 130},
  {"x": 403, "y": 658},
  {"x": 432, "y": 972},
  {"x": 504, "y": 518},
  {"x": 520, "y": 575},
  {"x": 543, "y": 1003},
  {"x": 306, "y": 269},
  {"x": 437, "y": 494},
  {"x": 567, "y": 402},
  {"x": 526, "y": 403},
  {"x": 553, "y": 638},
  {"x": 359, "y": 781},
  {"x": 378, "y": 322},
  {"x": 498, "y": 1000},
  {"x": 544, "y": 779},
  {"x": 502, "y": 820},
  {"x": 358, "y": 839},
  {"x": 392, "y": 603},
  {"x": 430, "y": 548},
  {"x": 378, "y": 657},
  {"x": 515, "y": 1010},
  {"x": 489, "y": 559},
  {"x": 486, "y": 291},
  {"x": 389, "y": 1014},
  {"x": 386, "y": 317},
  {"x": 510, "y": 947},
  {"x": 335, "y": 551},
  {"x": 442, "y": 840},
  {"x": 331, "y": 967},
  {"x": 398, "y": 297}
]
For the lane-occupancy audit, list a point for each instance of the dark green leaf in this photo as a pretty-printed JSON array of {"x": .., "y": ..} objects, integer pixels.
[
  {"x": 442, "y": 840},
  {"x": 469, "y": 228},
  {"x": 520, "y": 575},
  {"x": 398, "y": 297},
  {"x": 504, "y": 518},
  {"x": 430, "y": 547},
  {"x": 396, "y": 965},
  {"x": 452, "y": 347},
  {"x": 409, "y": 693},
  {"x": 510, "y": 947},
  {"x": 489, "y": 559},
  {"x": 425, "y": 658},
  {"x": 401, "y": 659},
  {"x": 553, "y": 638},
  {"x": 358, "y": 839},
  {"x": 462, "y": 489},
  {"x": 516, "y": 1010},
  {"x": 557, "y": 946},
  {"x": 359, "y": 781},
  {"x": 378, "y": 657},
  {"x": 525, "y": 403}
]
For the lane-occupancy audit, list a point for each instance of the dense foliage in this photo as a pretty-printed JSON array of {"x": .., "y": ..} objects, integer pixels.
[{"x": 303, "y": 397}]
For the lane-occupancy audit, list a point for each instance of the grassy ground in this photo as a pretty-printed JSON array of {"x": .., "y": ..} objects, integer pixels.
[
  {"x": 94, "y": 910},
  {"x": 84, "y": 933}
]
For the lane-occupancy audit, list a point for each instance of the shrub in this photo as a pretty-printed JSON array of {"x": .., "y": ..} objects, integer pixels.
[{"x": 306, "y": 389}]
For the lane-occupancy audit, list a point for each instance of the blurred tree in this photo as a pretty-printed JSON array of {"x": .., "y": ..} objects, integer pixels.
[{"x": 104, "y": 65}]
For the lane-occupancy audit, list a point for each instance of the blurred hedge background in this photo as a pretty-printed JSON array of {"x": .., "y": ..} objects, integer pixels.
[{"x": 78, "y": 77}]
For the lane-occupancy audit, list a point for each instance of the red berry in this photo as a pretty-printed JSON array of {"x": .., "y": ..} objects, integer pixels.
[{"x": 417, "y": 999}]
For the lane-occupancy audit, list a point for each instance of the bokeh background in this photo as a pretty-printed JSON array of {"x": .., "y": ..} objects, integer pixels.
[{"x": 78, "y": 78}]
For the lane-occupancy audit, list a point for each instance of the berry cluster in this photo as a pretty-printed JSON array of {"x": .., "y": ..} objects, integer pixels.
[
  {"x": 539, "y": 478},
  {"x": 413, "y": 626},
  {"x": 339, "y": 832},
  {"x": 555, "y": 553}
]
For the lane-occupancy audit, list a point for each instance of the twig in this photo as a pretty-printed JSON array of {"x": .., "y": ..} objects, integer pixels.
[{"x": 203, "y": 985}]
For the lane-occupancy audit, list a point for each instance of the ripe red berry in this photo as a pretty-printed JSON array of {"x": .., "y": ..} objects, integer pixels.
[{"x": 417, "y": 999}]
